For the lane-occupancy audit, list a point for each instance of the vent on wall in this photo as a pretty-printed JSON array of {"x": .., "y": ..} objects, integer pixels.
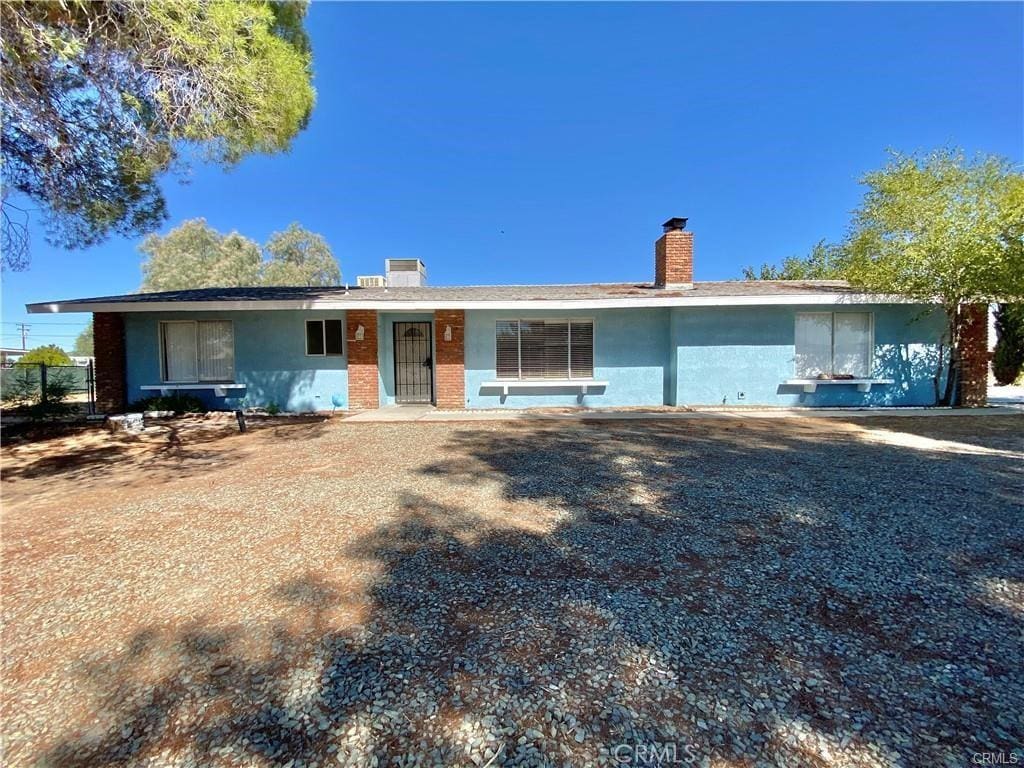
[
  {"x": 371, "y": 281},
  {"x": 405, "y": 273}
]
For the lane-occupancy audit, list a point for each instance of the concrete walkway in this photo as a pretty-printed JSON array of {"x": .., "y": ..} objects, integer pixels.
[{"x": 429, "y": 413}]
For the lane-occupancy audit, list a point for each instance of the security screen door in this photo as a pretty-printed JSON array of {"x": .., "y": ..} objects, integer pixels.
[{"x": 414, "y": 366}]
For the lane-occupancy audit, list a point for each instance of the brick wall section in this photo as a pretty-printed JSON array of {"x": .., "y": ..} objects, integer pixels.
[
  {"x": 974, "y": 357},
  {"x": 450, "y": 366},
  {"x": 109, "y": 351},
  {"x": 363, "y": 385},
  {"x": 673, "y": 259}
]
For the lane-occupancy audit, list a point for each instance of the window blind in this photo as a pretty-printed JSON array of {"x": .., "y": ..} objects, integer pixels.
[
  {"x": 507, "y": 363},
  {"x": 581, "y": 362},
  {"x": 833, "y": 343},
  {"x": 813, "y": 344},
  {"x": 852, "y": 343},
  {"x": 216, "y": 350},
  {"x": 544, "y": 349},
  {"x": 203, "y": 350},
  {"x": 179, "y": 352}
]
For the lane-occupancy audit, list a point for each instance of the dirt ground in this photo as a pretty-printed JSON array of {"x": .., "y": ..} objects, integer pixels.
[{"x": 440, "y": 594}]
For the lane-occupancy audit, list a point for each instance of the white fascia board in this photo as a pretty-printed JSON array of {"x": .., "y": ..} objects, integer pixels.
[{"x": 829, "y": 299}]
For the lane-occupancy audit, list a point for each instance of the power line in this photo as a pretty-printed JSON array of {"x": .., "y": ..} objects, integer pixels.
[
  {"x": 56, "y": 335},
  {"x": 40, "y": 322}
]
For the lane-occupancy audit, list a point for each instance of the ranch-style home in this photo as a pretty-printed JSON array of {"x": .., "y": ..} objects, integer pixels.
[{"x": 393, "y": 340}]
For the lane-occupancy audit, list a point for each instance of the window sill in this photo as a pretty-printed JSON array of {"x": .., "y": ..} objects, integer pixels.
[
  {"x": 219, "y": 389},
  {"x": 581, "y": 384},
  {"x": 811, "y": 385}
]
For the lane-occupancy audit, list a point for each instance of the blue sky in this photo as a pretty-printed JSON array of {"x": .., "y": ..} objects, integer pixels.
[{"x": 508, "y": 143}]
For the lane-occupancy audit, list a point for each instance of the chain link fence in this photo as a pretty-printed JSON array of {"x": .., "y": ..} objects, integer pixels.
[{"x": 25, "y": 385}]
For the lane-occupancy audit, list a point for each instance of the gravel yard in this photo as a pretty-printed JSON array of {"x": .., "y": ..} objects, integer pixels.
[{"x": 722, "y": 592}]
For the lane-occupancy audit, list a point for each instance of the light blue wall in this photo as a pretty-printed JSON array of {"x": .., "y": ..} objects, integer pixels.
[
  {"x": 386, "y": 348},
  {"x": 631, "y": 353},
  {"x": 270, "y": 359},
  {"x": 681, "y": 356},
  {"x": 721, "y": 352}
]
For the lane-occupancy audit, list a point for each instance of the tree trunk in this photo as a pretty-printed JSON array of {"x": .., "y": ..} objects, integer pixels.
[{"x": 951, "y": 390}]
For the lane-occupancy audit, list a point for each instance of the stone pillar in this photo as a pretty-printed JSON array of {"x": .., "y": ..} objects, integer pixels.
[
  {"x": 363, "y": 377},
  {"x": 974, "y": 357},
  {"x": 450, "y": 366},
  {"x": 109, "y": 352}
]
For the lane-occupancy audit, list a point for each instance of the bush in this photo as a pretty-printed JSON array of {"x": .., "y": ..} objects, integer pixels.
[
  {"x": 51, "y": 354},
  {"x": 176, "y": 403},
  {"x": 1008, "y": 358},
  {"x": 23, "y": 391}
]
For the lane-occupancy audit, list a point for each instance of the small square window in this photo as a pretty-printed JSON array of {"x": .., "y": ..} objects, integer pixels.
[{"x": 324, "y": 337}]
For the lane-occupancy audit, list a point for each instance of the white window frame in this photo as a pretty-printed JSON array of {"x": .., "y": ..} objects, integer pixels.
[
  {"x": 519, "y": 345},
  {"x": 832, "y": 340},
  {"x": 323, "y": 331},
  {"x": 195, "y": 337}
]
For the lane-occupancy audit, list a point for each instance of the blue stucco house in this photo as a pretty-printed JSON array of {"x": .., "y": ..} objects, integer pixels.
[{"x": 393, "y": 339}]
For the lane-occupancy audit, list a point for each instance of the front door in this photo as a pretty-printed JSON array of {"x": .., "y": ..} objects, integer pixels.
[{"x": 414, "y": 365}]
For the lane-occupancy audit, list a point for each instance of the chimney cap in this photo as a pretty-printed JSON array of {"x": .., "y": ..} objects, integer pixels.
[{"x": 675, "y": 223}]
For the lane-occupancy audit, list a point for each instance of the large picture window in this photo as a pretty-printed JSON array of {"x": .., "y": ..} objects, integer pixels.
[
  {"x": 544, "y": 349},
  {"x": 833, "y": 344},
  {"x": 192, "y": 351}
]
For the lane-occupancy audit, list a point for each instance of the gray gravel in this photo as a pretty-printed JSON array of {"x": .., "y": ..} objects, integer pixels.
[{"x": 715, "y": 593}]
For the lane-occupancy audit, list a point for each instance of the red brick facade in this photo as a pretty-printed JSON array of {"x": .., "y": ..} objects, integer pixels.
[
  {"x": 673, "y": 259},
  {"x": 108, "y": 345},
  {"x": 363, "y": 384},
  {"x": 974, "y": 357},
  {"x": 450, "y": 366}
]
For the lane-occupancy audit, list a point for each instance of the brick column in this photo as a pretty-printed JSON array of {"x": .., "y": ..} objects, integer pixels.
[
  {"x": 974, "y": 357},
  {"x": 450, "y": 366},
  {"x": 673, "y": 259},
  {"x": 109, "y": 351},
  {"x": 363, "y": 383}
]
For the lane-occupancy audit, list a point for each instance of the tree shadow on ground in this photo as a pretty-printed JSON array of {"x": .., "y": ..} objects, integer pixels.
[
  {"x": 168, "y": 449},
  {"x": 759, "y": 593}
]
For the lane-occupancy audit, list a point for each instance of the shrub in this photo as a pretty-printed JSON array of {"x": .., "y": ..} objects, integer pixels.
[
  {"x": 21, "y": 385},
  {"x": 51, "y": 354},
  {"x": 1008, "y": 358},
  {"x": 273, "y": 409},
  {"x": 176, "y": 403},
  {"x": 23, "y": 391}
]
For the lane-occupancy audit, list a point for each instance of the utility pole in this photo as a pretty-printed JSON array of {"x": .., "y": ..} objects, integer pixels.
[{"x": 24, "y": 328}]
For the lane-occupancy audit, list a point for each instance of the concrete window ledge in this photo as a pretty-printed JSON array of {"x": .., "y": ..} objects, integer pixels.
[
  {"x": 219, "y": 389},
  {"x": 583, "y": 385},
  {"x": 810, "y": 385}
]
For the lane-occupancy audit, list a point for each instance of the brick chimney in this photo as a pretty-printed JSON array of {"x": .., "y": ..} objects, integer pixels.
[{"x": 673, "y": 256}]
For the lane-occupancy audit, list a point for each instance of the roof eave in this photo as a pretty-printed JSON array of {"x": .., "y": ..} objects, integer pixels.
[{"x": 397, "y": 305}]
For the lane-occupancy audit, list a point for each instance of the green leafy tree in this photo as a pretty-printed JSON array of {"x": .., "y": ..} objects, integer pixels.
[
  {"x": 51, "y": 354},
  {"x": 825, "y": 262},
  {"x": 297, "y": 256},
  {"x": 83, "y": 344},
  {"x": 941, "y": 227},
  {"x": 1008, "y": 357},
  {"x": 100, "y": 98},
  {"x": 195, "y": 255}
]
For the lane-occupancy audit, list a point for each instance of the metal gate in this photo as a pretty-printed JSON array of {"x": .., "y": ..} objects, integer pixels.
[{"x": 414, "y": 364}]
